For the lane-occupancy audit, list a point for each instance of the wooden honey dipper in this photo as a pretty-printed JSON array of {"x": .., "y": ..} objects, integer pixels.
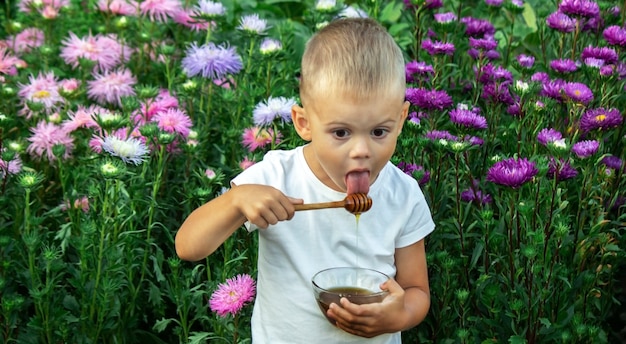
[{"x": 355, "y": 203}]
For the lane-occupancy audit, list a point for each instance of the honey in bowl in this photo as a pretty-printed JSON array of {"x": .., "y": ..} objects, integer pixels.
[{"x": 358, "y": 285}]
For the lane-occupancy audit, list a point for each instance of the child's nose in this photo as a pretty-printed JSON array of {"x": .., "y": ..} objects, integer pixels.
[{"x": 360, "y": 148}]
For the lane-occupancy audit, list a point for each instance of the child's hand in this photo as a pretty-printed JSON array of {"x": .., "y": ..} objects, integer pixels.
[
  {"x": 372, "y": 319},
  {"x": 263, "y": 205}
]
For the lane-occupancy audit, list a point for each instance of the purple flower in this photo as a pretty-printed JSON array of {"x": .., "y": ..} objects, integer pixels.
[
  {"x": 11, "y": 166},
  {"x": 540, "y": 77},
  {"x": 438, "y": 47},
  {"x": 487, "y": 43},
  {"x": 561, "y": 22},
  {"x": 495, "y": 93},
  {"x": 230, "y": 297},
  {"x": 578, "y": 92},
  {"x": 525, "y": 61},
  {"x": 615, "y": 35},
  {"x": 265, "y": 112},
  {"x": 582, "y": 8},
  {"x": 561, "y": 169},
  {"x": 600, "y": 119},
  {"x": 468, "y": 119},
  {"x": 475, "y": 27},
  {"x": 47, "y": 135},
  {"x": 476, "y": 196},
  {"x": 429, "y": 4},
  {"x": 473, "y": 140},
  {"x": 608, "y": 55},
  {"x": 419, "y": 68},
  {"x": 585, "y": 149},
  {"x": 563, "y": 66},
  {"x": 612, "y": 162},
  {"x": 445, "y": 18},
  {"x": 253, "y": 24},
  {"x": 428, "y": 99},
  {"x": 415, "y": 171},
  {"x": 547, "y": 136},
  {"x": 490, "y": 73},
  {"x": 494, "y": 2},
  {"x": 211, "y": 61},
  {"x": 436, "y": 135},
  {"x": 512, "y": 172},
  {"x": 416, "y": 117}
]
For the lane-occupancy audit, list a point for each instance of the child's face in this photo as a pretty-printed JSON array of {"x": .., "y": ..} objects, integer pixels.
[{"x": 349, "y": 135}]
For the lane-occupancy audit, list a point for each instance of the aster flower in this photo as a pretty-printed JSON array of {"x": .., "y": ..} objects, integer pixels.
[
  {"x": 210, "y": 9},
  {"x": 83, "y": 117},
  {"x": 415, "y": 171},
  {"x": 325, "y": 5},
  {"x": 231, "y": 296},
  {"x": 130, "y": 150},
  {"x": 468, "y": 119},
  {"x": 8, "y": 62},
  {"x": 420, "y": 68},
  {"x": 495, "y": 3},
  {"x": 613, "y": 162},
  {"x": 111, "y": 86},
  {"x": 475, "y": 27},
  {"x": 265, "y": 112},
  {"x": 582, "y": 8},
  {"x": 270, "y": 45},
  {"x": 474, "y": 194},
  {"x": 512, "y": 172},
  {"x": 105, "y": 51},
  {"x": 563, "y": 65},
  {"x": 561, "y": 169},
  {"x": 10, "y": 167},
  {"x": 81, "y": 203},
  {"x": 211, "y": 61},
  {"x": 173, "y": 120},
  {"x": 615, "y": 35},
  {"x": 585, "y": 149},
  {"x": 561, "y": 22},
  {"x": 118, "y": 7},
  {"x": 600, "y": 119},
  {"x": 492, "y": 73},
  {"x": 45, "y": 136},
  {"x": 553, "y": 89},
  {"x": 256, "y": 137},
  {"x": 149, "y": 108},
  {"x": 525, "y": 61},
  {"x": 44, "y": 90},
  {"x": 438, "y": 47},
  {"x": 159, "y": 10},
  {"x": 246, "y": 162},
  {"x": 437, "y": 135},
  {"x": 578, "y": 92},
  {"x": 445, "y": 18},
  {"x": 192, "y": 19},
  {"x": 352, "y": 12},
  {"x": 606, "y": 54},
  {"x": 428, "y": 99},
  {"x": 549, "y": 135},
  {"x": 27, "y": 40},
  {"x": 253, "y": 24}
]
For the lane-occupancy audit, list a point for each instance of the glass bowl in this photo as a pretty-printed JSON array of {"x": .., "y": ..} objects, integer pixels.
[{"x": 358, "y": 285}]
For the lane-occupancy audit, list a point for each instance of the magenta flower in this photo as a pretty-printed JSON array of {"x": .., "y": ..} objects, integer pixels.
[
  {"x": 9, "y": 62},
  {"x": 468, "y": 119},
  {"x": 475, "y": 27},
  {"x": 585, "y": 149},
  {"x": 211, "y": 61},
  {"x": 578, "y": 92},
  {"x": 547, "y": 136},
  {"x": 561, "y": 169},
  {"x": 415, "y": 170},
  {"x": 105, "y": 51},
  {"x": 563, "y": 66},
  {"x": 246, "y": 162},
  {"x": 118, "y": 7},
  {"x": 428, "y": 99},
  {"x": 159, "y": 10},
  {"x": 256, "y": 137},
  {"x": 512, "y": 172},
  {"x": 83, "y": 117},
  {"x": 436, "y": 135},
  {"x": 162, "y": 102},
  {"x": 419, "y": 69},
  {"x": 173, "y": 120},
  {"x": 613, "y": 162},
  {"x": 45, "y": 136},
  {"x": 606, "y": 54},
  {"x": 445, "y": 18},
  {"x": 582, "y": 8},
  {"x": 187, "y": 18},
  {"x": 615, "y": 35},
  {"x": 111, "y": 86},
  {"x": 600, "y": 119},
  {"x": 231, "y": 296},
  {"x": 561, "y": 22},
  {"x": 438, "y": 47},
  {"x": 525, "y": 61}
]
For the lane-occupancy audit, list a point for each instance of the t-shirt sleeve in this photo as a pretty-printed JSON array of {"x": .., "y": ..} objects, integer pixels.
[{"x": 420, "y": 222}]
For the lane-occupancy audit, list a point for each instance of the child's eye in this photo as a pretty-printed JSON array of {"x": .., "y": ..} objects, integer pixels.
[
  {"x": 340, "y": 133},
  {"x": 379, "y": 132}
]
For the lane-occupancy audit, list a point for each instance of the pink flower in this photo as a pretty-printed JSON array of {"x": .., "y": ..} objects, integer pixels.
[
  {"x": 13, "y": 166},
  {"x": 28, "y": 40},
  {"x": 83, "y": 118},
  {"x": 43, "y": 89},
  {"x": 45, "y": 137},
  {"x": 119, "y": 7},
  {"x": 173, "y": 121},
  {"x": 111, "y": 86},
  {"x": 256, "y": 137},
  {"x": 162, "y": 102},
  {"x": 246, "y": 162},
  {"x": 159, "y": 10},
  {"x": 230, "y": 297},
  {"x": 8, "y": 62},
  {"x": 105, "y": 51},
  {"x": 26, "y": 5},
  {"x": 81, "y": 203},
  {"x": 184, "y": 17}
]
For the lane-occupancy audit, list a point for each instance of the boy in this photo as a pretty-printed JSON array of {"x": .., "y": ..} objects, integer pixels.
[{"x": 353, "y": 109}]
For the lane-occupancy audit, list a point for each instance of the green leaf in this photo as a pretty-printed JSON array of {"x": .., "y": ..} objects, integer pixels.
[
  {"x": 160, "y": 325},
  {"x": 517, "y": 340},
  {"x": 530, "y": 17},
  {"x": 392, "y": 12}
]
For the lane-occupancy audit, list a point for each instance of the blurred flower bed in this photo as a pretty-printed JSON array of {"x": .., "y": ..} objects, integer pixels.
[{"x": 119, "y": 117}]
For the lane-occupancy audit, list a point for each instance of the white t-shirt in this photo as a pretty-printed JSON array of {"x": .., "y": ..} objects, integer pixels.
[{"x": 291, "y": 252}]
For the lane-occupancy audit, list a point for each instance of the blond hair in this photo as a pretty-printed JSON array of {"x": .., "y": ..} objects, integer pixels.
[{"x": 352, "y": 57}]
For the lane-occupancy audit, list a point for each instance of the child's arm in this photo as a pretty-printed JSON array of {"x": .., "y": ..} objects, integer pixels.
[
  {"x": 207, "y": 227},
  {"x": 406, "y": 305}
]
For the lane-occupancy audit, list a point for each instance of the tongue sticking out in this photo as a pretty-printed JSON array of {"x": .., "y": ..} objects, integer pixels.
[{"x": 358, "y": 182}]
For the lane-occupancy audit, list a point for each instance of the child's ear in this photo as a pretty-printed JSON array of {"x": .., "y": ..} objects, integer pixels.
[
  {"x": 404, "y": 115},
  {"x": 301, "y": 122}
]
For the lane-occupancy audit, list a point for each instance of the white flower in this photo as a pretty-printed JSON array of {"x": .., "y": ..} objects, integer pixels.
[
  {"x": 270, "y": 45},
  {"x": 325, "y": 5},
  {"x": 253, "y": 24},
  {"x": 129, "y": 150}
]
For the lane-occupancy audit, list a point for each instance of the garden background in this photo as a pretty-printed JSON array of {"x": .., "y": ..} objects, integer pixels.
[{"x": 118, "y": 118}]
